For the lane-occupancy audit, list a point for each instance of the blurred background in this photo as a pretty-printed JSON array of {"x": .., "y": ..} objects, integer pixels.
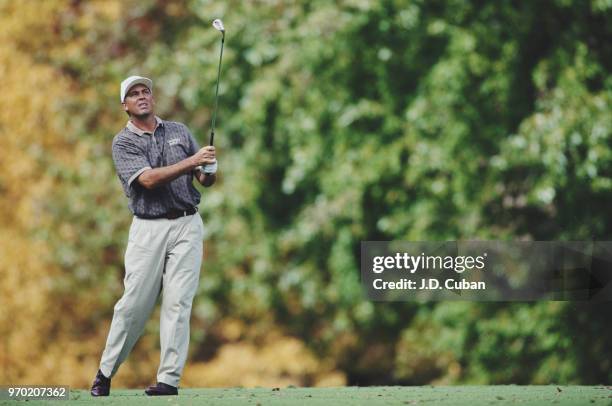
[{"x": 338, "y": 122}]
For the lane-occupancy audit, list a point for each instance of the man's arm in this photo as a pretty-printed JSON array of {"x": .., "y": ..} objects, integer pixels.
[
  {"x": 206, "y": 180},
  {"x": 152, "y": 178}
]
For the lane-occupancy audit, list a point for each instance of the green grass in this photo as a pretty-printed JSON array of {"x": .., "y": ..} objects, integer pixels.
[{"x": 389, "y": 395}]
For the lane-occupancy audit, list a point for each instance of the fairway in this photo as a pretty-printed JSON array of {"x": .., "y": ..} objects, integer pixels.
[{"x": 389, "y": 395}]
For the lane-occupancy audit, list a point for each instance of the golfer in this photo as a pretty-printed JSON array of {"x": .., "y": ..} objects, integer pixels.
[{"x": 156, "y": 161}]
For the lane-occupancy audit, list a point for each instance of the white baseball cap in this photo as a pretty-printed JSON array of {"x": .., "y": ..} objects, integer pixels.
[{"x": 127, "y": 84}]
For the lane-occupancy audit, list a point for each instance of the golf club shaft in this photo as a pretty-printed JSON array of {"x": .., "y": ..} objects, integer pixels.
[{"x": 212, "y": 130}]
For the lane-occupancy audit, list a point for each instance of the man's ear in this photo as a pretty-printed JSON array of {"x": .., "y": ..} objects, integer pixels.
[{"x": 125, "y": 108}]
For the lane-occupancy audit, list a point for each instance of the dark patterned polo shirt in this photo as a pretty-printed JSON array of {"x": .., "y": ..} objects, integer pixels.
[{"x": 136, "y": 150}]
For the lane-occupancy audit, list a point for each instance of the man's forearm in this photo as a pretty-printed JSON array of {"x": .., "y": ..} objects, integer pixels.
[
  {"x": 152, "y": 178},
  {"x": 205, "y": 179}
]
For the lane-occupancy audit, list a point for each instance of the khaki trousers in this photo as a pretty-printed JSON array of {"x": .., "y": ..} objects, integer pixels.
[{"x": 162, "y": 256}]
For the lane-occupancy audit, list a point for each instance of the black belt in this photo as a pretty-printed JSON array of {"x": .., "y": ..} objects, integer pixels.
[{"x": 172, "y": 214}]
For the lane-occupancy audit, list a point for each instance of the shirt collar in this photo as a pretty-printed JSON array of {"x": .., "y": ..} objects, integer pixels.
[{"x": 132, "y": 127}]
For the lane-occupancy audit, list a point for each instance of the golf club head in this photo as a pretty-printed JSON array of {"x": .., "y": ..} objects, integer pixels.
[{"x": 218, "y": 24}]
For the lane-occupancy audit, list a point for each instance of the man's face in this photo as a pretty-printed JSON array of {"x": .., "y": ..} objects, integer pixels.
[{"x": 139, "y": 101}]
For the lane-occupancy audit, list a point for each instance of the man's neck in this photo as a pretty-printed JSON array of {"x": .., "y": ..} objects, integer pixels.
[{"x": 146, "y": 123}]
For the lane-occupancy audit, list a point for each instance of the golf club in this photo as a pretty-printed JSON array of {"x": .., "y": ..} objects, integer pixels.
[{"x": 218, "y": 25}]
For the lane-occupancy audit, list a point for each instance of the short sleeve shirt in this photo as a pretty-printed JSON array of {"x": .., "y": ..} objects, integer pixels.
[{"x": 136, "y": 150}]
